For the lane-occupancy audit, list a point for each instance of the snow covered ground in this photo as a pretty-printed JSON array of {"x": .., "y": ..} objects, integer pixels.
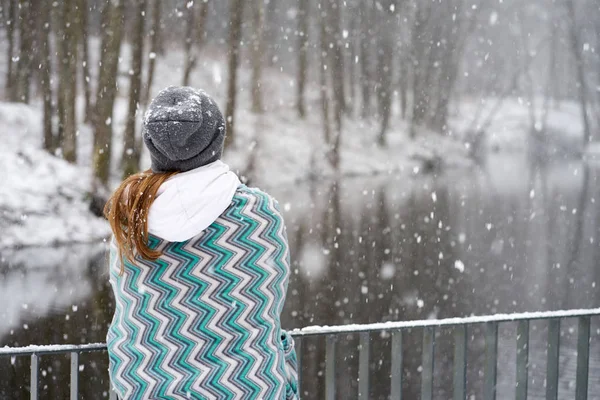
[
  {"x": 509, "y": 130},
  {"x": 43, "y": 199}
]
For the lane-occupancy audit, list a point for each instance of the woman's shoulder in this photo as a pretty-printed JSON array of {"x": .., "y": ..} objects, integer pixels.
[{"x": 258, "y": 198}]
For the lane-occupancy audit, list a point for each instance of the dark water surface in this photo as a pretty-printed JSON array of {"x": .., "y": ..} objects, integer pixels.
[{"x": 507, "y": 237}]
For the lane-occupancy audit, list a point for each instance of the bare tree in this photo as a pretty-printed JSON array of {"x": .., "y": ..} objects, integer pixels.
[
  {"x": 550, "y": 89},
  {"x": 439, "y": 36},
  {"x": 194, "y": 36},
  {"x": 530, "y": 89},
  {"x": 334, "y": 31},
  {"x": 272, "y": 30},
  {"x": 404, "y": 80},
  {"x": 323, "y": 74},
  {"x": 189, "y": 56},
  {"x": 236, "y": 11},
  {"x": 302, "y": 41},
  {"x": 45, "y": 76},
  {"x": 27, "y": 28},
  {"x": 11, "y": 20},
  {"x": 366, "y": 37},
  {"x": 577, "y": 48},
  {"x": 107, "y": 91},
  {"x": 258, "y": 44},
  {"x": 83, "y": 11},
  {"x": 352, "y": 43},
  {"x": 154, "y": 44},
  {"x": 61, "y": 55},
  {"x": 385, "y": 57},
  {"x": 67, "y": 73},
  {"x": 327, "y": 79},
  {"x": 130, "y": 158}
]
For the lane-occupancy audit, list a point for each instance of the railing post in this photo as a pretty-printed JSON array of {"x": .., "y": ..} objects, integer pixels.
[
  {"x": 34, "y": 377},
  {"x": 74, "y": 375},
  {"x": 491, "y": 360},
  {"x": 522, "y": 360},
  {"x": 583, "y": 358},
  {"x": 363, "y": 366},
  {"x": 396, "y": 375},
  {"x": 553, "y": 350},
  {"x": 460, "y": 362},
  {"x": 330, "y": 368},
  {"x": 428, "y": 363},
  {"x": 298, "y": 342}
]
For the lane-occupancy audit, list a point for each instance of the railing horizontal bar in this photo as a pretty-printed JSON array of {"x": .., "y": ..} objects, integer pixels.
[
  {"x": 583, "y": 358},
  {"x": 34, "y": 381},
  {"x": 66, "y": 348},
  {"x": 553, "y": 349},
  {"x": 396, "y": 375},
  {"x": 363, "y": 366},
  {"x": 382, "y": 326},
  {"x": 522, "y": 360},
  {"x": 329, "y": 330},
  {"x": 460, "y": 363}
]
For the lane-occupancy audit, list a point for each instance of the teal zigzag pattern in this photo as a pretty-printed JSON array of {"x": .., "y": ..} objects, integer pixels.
[{"x": 202, "y": 321}]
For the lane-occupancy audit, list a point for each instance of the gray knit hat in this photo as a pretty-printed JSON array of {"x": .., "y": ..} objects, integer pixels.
[{"x": 183, "y": 129}]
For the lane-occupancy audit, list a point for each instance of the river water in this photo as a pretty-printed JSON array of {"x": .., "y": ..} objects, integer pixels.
[{"x": 508, "y": 236}]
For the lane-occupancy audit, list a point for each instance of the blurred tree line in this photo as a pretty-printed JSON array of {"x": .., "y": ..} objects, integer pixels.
[{"x": 376, "y": 59}]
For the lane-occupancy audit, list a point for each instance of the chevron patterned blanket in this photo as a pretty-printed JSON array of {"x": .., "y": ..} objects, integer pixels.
[{"x": 203, "y": 321}]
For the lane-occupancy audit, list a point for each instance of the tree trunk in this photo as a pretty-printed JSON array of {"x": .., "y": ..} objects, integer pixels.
[
  {"x": 552, "y": 76},
  {"x": 194, "y": 31},
  {"x": 323, "y": 73},
  {"x": 235, "y": 35},
  {"x": 352, "y": 65},
  {"x": 258, "y": 20},
  {"x": 420, "y": 54},
  {"x": 337, "y": 57},
  {"x": 130, "y": 159},
  {"x": 385, "y": 57},
  {"x": 27, "y": 30},
  {"x": 107, "y": 91},
  {"x": 581, "y": 84},
  {"x": 10, "y": 33},
  {"x": 190, "y": 36},
  {"x": 403, "y": 71},
  {"x": 67, "y": 77},
  {"x": 530, "y": 89},
  {"x": 45, "y": 61},
  {"x": 272, "y": 32},
  {"x": 303, "y": 13},
  {"x": 365, "y": 57},
  {"x": 83, "y": 8},
  {"x": 201, "y": 33},
  {"x": 61, "y": 51},
  {"x": 154, "y": 41}
]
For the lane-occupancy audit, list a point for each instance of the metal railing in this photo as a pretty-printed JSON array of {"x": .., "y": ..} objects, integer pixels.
[{"x": 461, "y": 327}]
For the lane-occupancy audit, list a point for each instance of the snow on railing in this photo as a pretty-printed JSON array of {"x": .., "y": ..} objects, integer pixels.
[
  {"x": 460, "y": 326},
  {"x": 393, "y": 325}
]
